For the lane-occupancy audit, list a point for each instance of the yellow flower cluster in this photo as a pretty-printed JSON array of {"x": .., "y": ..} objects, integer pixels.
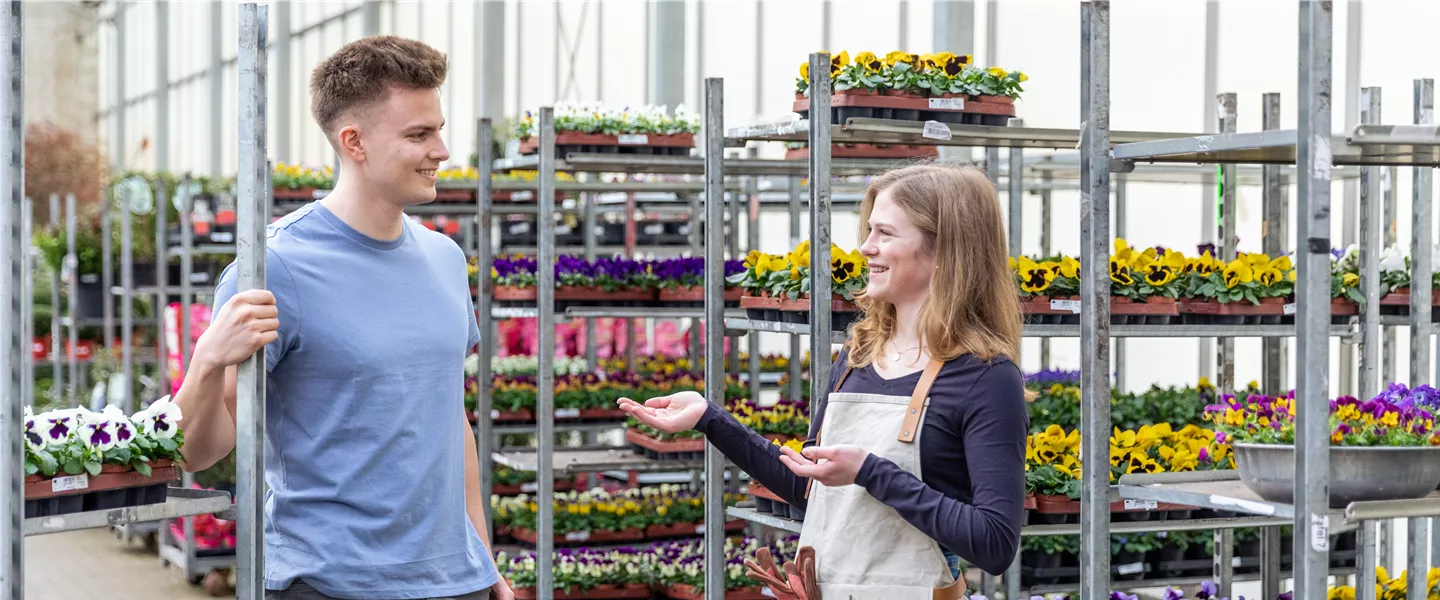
[
  {"x": 1258, "y": 268},
  {"x": 1388, "y": 588},
  {"x": 795, "y": 264},
  {"x": 1149, "y": 449}
]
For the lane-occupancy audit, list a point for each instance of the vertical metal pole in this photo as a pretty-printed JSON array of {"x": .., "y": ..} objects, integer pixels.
[
  {"x": 1207, "y": 189},
  {"x": 698, "y": 218},
  {"x": 162, "y": 280},
  {"x": 1421, "y": 267},
  {"x": 1095, "y": 299},
  {"x": 27, "y": 301},
  {"x": 1366, "y": 561},
  {"x": 752, "y": 242},
  {"x": 120, "y": 68},
  {"x": 1045, "y": 240},
  {"x": 57, "y": 345},
  {"x": 1226, "y": 243},
  {"x": 107, "y": 266},
  {"x": 73, "y": 293},
  {"x": 1016, "y": 187},
  {"x": 187, "y": 244},
  {"x": 484, "y": 426},
  {"x": 1313, "y": 165},
  {"x": 370, "y": 15},
  {"x": 217, "y": 89},
  {"x": 1417, "y": 538},
  {"x": 1275, "y": 245},
  {"x": 12, "y": 181},
  {"x": 162, "y": 88},
  {"x": 1350, "y": 200},
  {"x": 588, "y": 200},
  {"x": 1220, "y": 561},
  {"x": 819, "y": 145},
  {"x": 796, "y": 391},
  {"x": 251, "y": 175},
  {"x": 714, "y": 332},
  {"x": 1269, "y": 562},
  {"x": 489, "y": 51},
  {"x": 1121, "y": 219},
  {"x": 282, "y": 80},
  {"x": 1370, "y": 246},
  {"x": 127, "y": 300},
  {"x": 545, "y": 376}
]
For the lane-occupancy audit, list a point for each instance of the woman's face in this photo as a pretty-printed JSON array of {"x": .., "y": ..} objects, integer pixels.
[{"x": 900, "y": 268}]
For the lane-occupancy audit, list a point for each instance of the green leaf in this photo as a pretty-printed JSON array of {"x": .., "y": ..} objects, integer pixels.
[
  {"x": 73, "y": 467},
  {"x": 48, "y": 465},
  {"x": 168, "y": 445},
  {"x": 92, "y": 467},
  {"x": 31, "y": 468},
  {"x": 141, "y": 467}
]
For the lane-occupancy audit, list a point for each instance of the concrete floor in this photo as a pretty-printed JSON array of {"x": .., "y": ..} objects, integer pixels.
[{"x": 93, "y": 563}]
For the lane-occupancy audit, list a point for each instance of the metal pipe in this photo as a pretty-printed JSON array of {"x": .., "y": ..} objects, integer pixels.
[
  {"x": 1121, "y": 231},
  {"x": 697, "y": 248},
  {"x": 1045, "y": 250},
  {"x": 819, "y": 159},
  {"x": 1206, "y": 350},
  {"x": 1421, "y": 268},
  {"x": 1275, "y": 245},
  {"x": 27, "y": 301},
  {"x": 1370, "y": 249},
  {"x": 1016, "y": 187},
  {"x": 1227, "y": 118},
  {"x": 162, "y": 280},
  {"x": 1095, "y": 297},
  {"x": 1365, "y": 562},
  {"x": 162, "y": 87},
  {"x": 796, "y": 391},
  {"x": 1313, "y": 164},
  {"x": 283, "y": 40},
  {"x": 484, "y": 425},
  {"x": 251, "y": 176},
  {"x": 73, "y": 287},
  {"x": 12, "y": 181},
  {"x": 106, "y": 266},
  {"x": 589, "y": 201},
  {"x": 127, "y": 299},
  {"x": 715, "y": 331},
  {"x": 1270, "y": 562},
  {"x": 1221, "y": 563},
  {"x": 217, "y": 89},
  {"x": 545, "y": 376},
  {"x": 752, "y": 242},
  {"x": 57, "y": 345}
]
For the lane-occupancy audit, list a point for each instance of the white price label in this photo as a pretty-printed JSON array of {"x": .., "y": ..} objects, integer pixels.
[
  {"x": 222, "y": 237},
  {"x": 1320, "y": 533},
  {"x": 567, "y": 413},
  {"x": 1289, "y": 309},
  {"x": 1141, "y": 504},
  {"x": 494, "y": 414},
  {"x": 522, "y": 195},
  {"x": 519, "y": 228},
  {"x": 70, "y": 484},
  {"x": 199, "y": 278},
  {"x": 320, "y": 194},
  {"x": 1385, "y": 180},
  {"x": 654, "y": 229},
  {"x": 947, "y": 104},
  {"x": 935, "y": 130},
  {"x": 563, "y": 230},
  {"x": 1235, "y": 562},
  {"x": 577, "y": 536},
  {"x": 700, "y": 529},
  {"x": 1070, "y": 305},
  {"x": 634, "y": 139},
  {"x": 530, "y": 487},
  {"x": 1130, "y": 569}
]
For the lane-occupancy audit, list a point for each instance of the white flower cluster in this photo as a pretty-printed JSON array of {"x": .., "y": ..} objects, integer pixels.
[
  {"x": 525, "y": 365},
  {"x": 103, "y": 430}
]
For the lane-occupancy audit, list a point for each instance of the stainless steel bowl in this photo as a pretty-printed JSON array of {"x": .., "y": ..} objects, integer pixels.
[{"x": 1356, "y": 474}]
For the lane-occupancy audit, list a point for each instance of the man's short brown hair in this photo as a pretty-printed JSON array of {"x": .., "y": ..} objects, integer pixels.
[{"x": 361, "y": 74}]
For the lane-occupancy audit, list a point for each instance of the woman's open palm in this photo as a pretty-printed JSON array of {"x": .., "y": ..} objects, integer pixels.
[{"x": 670, "y": 414}]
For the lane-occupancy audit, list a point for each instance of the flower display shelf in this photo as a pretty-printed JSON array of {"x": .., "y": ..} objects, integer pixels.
[
  {"x": 526, "y": 416},
  {"x": 1055, "y": 510},
  {"x": 842, "y": 312},
  {"x": 678, "y": 144},
  {"x": 950, "y": 108},
  {"x": 761, "y": 308},
  {"x": 656, "y": 532},
  {"x": 770, "y": 503},
  {"x": 665, "y": 449},
  {"x": 528, "y": 536},
  {"x": 882, "y": 151},
  {"x": 515, "y": 489},
  {"x": 517, "y": 196},
  {"x": 1270, "y": 311},
  {"x": 1044, "y": 310},
  {"x": 689, "y": 296},
  {"x": 1398, "y": 303},
  {"x": 117, "y": 486},
  {"x": 302, "y": 193},
  {"x": 1155, "y": 310},
  {"x": 688, "y": 592},
  {"x": 633, "y": 590}
]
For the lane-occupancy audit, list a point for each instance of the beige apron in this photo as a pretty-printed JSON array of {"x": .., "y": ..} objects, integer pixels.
[{"x": 864, "y": 550}]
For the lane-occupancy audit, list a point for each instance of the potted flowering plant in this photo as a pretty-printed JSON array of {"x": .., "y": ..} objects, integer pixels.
[
  {"x": 1345, "y": 295},
  {"x": 1390, "y": 436},
  {"x": 299, "y": 182},
  {"x": 599, "y": 128},
  {"x": 761, "y": 279},
  {"x": 913, "y": 87},
  {"x": 995, "y": 85},
  {"x": 581, "y": 573},
  {"x": 513, "y": 278},
  {"x": 1040, "y": 282},
  {"x": 101, "y": 455},
  {"x": 681, "y": 280},
  {"x": 679, "y": 569},
  {"x": 848, "y": 277},
  {"x": 1253, "y": 287},
  {"x": 1144, "y": 284},
  {"x": 1395, "y": 283}
]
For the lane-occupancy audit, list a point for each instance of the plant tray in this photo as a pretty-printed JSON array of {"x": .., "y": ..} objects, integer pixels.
[
  {"x": 695, "y": 294},
  {"x": 575, "y": 141},
  {"x": 898, "y": 152},
  {"x": 108, "y": 490},
  {"x": 581, "y": 537},
  {"x": 513, "y": 294},
  {"x": 1055, "y": 512},
  {"x": 646, "y": 442},
  {"x": 688, "y": 592},
  {"x": 633, "y": 590},
  {"x": 761, "y": 308},
  {"x": 1270, "y": 311},
  {"x": 305, "y": 193},
  {"x": 1154, "y": 311},
  {"x": 515, "y": 489},
  {"x": 518, "y": 196},
  {"x": 1398, "y": 303},
  {"x": 1044, "y": 310},
  {"x": 688, "y": 529},
  {"x": 454, "y": 195},
  {"x": 961, "y": 110}
]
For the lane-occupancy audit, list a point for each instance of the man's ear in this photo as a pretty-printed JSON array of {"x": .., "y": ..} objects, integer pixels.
[{"x": 349, "y": 143}]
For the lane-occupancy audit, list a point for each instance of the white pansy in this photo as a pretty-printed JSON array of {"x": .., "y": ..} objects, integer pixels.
[
  {"x": 161, "y": 420},
  {"x": 1392, "y": 259},
  {"x": 98, "y": 433}
]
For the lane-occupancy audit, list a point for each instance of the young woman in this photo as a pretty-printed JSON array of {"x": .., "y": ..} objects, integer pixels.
[{"x": 919, "y": 448}]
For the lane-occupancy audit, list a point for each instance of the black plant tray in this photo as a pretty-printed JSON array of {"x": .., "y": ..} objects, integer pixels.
[{"x": 155, "y": 493}]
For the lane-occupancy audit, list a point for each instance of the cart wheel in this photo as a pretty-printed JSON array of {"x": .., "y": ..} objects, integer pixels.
[
  {"x": 152, "y": 542},
  {"x": 217, "y": 584},
  {"x": 195, "y": 579}
]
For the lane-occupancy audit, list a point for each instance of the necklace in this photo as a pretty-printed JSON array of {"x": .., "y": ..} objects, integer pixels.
[{"x": 895, "y": 358}]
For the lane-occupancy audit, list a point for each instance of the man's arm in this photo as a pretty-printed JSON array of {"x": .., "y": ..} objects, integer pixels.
[{"x": 474, "y": 502}]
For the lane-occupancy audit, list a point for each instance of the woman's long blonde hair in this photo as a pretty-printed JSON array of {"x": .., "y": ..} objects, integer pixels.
[{"x": 972, "y": 307}]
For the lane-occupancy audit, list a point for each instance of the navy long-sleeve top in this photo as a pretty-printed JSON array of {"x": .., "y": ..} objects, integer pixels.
[{"x": 970, "y": 497}]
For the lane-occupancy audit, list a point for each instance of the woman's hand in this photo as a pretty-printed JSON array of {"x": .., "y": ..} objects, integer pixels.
[
  {"x": 841, "y": 463},
  {"x": 671, "y": 414}
]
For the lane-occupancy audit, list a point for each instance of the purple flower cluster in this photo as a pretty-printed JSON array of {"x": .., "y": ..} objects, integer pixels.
[
  {"x": 515, "y": 271},
  {"x": 1047, "y": 377},
  {"x": 611, "y": 274}
]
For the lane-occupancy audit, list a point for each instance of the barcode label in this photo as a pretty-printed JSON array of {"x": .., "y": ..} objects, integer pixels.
[
  {"x": 530, "y": 487},
  {"x": 947, "y": 104},
  {"x": 1289, "y": 309},
  {"x": 1070, "y": 305},
  {"x": 655, "y": 229},
  {"x": 222, "y": 237},
  {"x": 519, "y": 228},
  {"x": 522, "y": 195},
  {"x": 700, "y": 529},
  {"x": 494, "y": 414},
  {"x": 1141, "y": 504},
  {"x": 70, "y": 484},
  {"x": 634, "y": 139},
  {"x": 199, "y": 278},
  {"x": 1235, "y": 562},
  {"x": 577, "y": 536},
  {"x": 935, "y": 130},
  {"x": 1130, "y": 569},
  {"x": 567, "y": 413}
]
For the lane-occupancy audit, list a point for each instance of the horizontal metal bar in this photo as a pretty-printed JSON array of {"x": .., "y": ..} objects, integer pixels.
[
  {"x": 656, "y": 312},
  {"x": 755, "y": 516},
  {"x": 1420, "y": 135},
  {"x": 180, "y": 503},
  {"x": 1428, "y": 506},
  {"x": 1175, "y": 582},
  {"x": 744, "y": 324},
  {"x": 889, "y": 131},
  {"x": 590, "y": 460},
  {"x": 1381, "y": 146}
]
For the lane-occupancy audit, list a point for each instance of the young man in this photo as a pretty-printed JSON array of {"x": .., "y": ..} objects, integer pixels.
[{"x": 373, "y": 476}]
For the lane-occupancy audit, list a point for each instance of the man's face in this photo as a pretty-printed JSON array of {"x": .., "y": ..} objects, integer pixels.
[{"x": 403, "y": 146}]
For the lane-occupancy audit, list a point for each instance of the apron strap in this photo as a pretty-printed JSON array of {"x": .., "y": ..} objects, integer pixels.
[
  {"x": 917, "y": 402},
  {"x": 841, "y": 381}
]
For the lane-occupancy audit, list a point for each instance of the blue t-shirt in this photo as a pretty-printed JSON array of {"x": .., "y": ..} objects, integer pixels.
[{"x": 364, "y": 414}]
